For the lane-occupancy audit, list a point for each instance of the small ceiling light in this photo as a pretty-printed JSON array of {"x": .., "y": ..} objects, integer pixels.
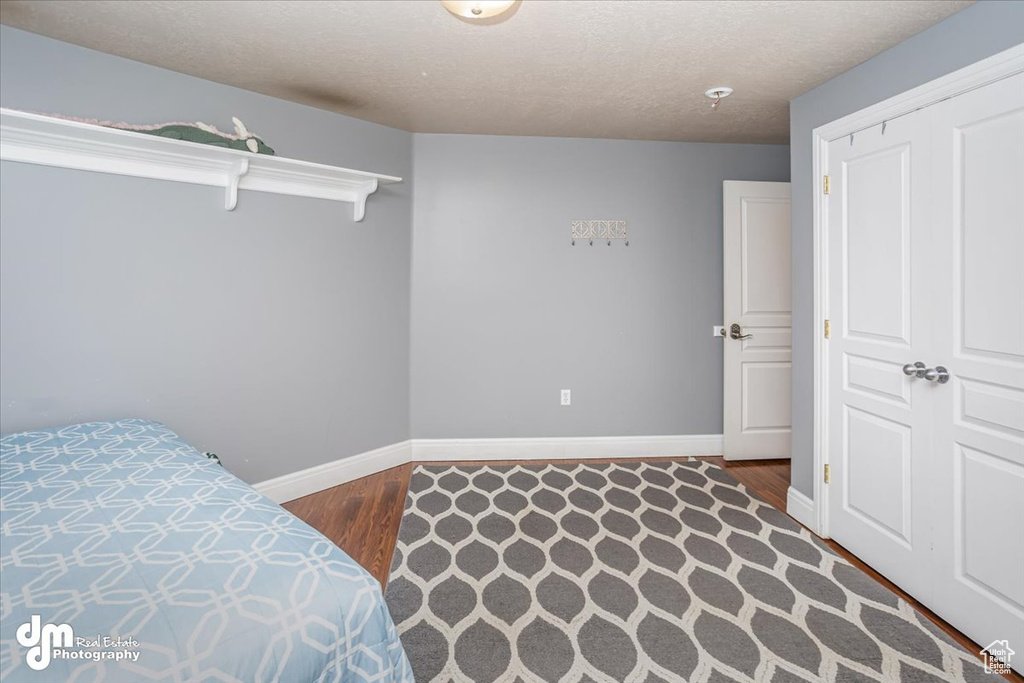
[
  {"x": 717, "y": 93},
  {"x": 477, "y": 9}
]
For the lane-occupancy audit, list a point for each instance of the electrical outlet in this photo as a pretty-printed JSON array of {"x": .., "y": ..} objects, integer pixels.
[
  {"x": 566, "y": 397},
  {"x": 719, "y": 330}
]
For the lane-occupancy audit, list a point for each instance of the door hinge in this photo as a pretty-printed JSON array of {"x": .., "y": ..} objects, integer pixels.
[
  {"x": 828, "y": 474},
  {"x": 825, "y": 186},
  {"x": 828, "y": 328}
]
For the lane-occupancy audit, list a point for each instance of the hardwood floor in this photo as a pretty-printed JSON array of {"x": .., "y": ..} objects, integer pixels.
[{"x": 362, "y": 517}]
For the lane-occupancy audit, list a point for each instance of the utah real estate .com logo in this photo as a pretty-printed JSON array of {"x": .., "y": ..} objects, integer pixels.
[
  {"x": 997, "y": 657},
  {"x": 57, "y": 641}
]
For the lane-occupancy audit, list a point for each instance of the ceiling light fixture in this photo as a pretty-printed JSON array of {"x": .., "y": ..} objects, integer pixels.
[
  {"x": 477, "y": 9},
  {"x": 717, "y": 93}
]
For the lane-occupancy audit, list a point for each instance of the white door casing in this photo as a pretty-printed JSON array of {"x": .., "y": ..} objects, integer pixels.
[
  {"x": 757, "y": 297},
  {"x": 925, "y": 237}
]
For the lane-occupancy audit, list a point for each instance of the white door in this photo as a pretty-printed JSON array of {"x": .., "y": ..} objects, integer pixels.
[
  {"x": 978, "y": 313},
  {"x": 926, "y": 265},
  {"x": 879, "y": 429},
  {"x": 758, "y": 320}
]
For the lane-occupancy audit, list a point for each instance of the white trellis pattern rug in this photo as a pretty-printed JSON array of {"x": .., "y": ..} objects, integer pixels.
[{"x": 659, "y": 571}]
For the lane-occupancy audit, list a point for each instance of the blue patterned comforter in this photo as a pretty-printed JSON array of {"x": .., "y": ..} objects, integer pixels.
[{"x": 168, "y": 568}]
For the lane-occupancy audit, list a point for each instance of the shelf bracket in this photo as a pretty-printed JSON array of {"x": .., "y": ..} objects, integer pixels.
[
  {"x": 364, "y": 191},
  {"x": 238, "y": 169}
]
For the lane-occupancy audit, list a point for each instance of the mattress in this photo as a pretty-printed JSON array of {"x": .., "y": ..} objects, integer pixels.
[{"x": 126, "y": 555}]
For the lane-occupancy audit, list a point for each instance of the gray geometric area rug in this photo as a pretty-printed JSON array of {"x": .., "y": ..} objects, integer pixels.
[{"x": 640, "y": 571}]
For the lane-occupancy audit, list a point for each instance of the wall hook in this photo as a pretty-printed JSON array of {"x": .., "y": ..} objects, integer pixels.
[
  {"x": 883, "y": 127},
  {"x": 591, "y": 242},
  {"x": 627, "y": 243},
  {"x": 609, "y": 243},
  {"x": 574, "y": 243},
  {"x": 851, "y": 139}
]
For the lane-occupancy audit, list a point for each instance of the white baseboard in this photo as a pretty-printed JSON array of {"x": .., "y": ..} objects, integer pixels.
[
  {"x": 572, "y": 448},
  {"x": 304, "y": 482},
  {"x": 801, "y": 508}
]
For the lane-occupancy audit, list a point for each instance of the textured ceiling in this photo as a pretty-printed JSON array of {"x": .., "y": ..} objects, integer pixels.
[{"x": 604, "y": 69}]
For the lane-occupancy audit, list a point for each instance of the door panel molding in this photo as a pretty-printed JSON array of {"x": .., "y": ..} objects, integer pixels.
[
  {"x": 876, "y": 378},
  {"x": 1007, "y": 589},
  {"x": 898, "y": 526},
  {"x": 992, "y": 406}
]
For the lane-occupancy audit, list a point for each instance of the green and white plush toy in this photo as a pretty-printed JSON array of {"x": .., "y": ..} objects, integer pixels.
[
  {"x": 209, "y": 135},
  {"x": 202, "y": 133}
]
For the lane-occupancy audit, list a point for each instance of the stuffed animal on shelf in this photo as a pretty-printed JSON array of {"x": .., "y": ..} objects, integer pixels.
[{"x": 202, "y": 133}]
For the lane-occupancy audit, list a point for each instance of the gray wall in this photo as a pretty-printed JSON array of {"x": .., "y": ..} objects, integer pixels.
[
  {"x": 972, "y": 34},
  {"x": 506, "y": 313},
  {"x": 276, "y": 335}
]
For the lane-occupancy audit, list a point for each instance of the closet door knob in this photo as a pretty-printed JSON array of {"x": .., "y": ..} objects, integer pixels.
[
  {"x": 912, "y": 369},
  {"x": 921, "y": 371},
  {"x": 937, "y": 374}
]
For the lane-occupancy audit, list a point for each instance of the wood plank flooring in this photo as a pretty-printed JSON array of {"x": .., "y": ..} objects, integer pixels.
[{"x": 362, "y": 517}]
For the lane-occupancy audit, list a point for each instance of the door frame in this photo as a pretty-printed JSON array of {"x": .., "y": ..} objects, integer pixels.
[{"x": 813, "y": 513}]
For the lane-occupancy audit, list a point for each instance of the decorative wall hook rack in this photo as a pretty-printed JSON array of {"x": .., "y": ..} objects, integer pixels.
[{"x": 599, "y": 229}]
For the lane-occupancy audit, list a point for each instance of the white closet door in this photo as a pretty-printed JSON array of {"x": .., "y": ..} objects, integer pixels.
[
  {"x": 977, "y": 238},
  {"x": 880, "y": 442}
]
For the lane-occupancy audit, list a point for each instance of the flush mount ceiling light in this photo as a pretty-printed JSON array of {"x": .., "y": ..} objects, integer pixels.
[
  {"x": 477, "y": 9},
  {"x": 717, "y": 93}
]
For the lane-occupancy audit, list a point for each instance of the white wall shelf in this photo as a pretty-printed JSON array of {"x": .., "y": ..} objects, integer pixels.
[{"x": 35, "y": 139}]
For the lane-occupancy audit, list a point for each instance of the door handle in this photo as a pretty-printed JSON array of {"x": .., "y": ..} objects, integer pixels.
[
  {"x": 937, "y": 374},
  {"x": 736, "y": 332},
  {"x": 921, "y": 371},
  {"x": 912, "y": 369}
]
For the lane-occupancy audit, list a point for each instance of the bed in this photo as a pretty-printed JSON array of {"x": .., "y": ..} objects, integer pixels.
[{"x": 166, "y": 567}]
